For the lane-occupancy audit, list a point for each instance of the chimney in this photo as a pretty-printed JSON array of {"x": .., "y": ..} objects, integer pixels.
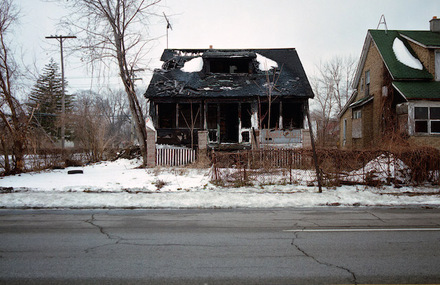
[{"x": 435, "y": 24}]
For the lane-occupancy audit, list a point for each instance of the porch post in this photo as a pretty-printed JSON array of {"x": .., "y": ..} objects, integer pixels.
[
  {"x": 177, "y": 115},
  {"x": 205, "y": 115},
  {"x": 280, "y": 122},
  {"x": 240, "y": 140}
]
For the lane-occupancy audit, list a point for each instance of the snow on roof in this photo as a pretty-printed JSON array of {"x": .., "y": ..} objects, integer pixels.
[
  {"x": 193, "y": 65},
  {"x": 265, "y": 64},
  {"x": 404, "y": 56}
]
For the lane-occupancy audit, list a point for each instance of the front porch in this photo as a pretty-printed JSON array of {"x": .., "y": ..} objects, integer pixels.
[{"x": 230, "y": 124}]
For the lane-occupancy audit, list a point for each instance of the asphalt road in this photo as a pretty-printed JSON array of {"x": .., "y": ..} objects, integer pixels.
[{"x": 275, "y": 246}]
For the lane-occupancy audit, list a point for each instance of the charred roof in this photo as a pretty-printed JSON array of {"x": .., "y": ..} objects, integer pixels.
[{"x": 211, "y": 73}]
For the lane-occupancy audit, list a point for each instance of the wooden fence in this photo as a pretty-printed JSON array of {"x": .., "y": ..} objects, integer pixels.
[
  {"x": 371, "y": 167},
  {"x": 175, "y": 156}
]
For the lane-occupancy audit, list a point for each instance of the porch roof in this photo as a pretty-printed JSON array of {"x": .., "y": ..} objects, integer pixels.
[
  {"x": 415, "y": 90},
  {"x": 290, "y": 78},
  {"x": 362, "y": 101}
]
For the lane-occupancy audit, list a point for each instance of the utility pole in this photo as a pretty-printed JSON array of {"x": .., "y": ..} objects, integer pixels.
[{"x": 63, "y": 95}]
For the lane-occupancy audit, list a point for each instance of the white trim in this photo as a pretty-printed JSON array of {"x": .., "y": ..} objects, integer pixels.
[
  {"x": 411, "y": 112},
  {"x": 416, "y": 42}
]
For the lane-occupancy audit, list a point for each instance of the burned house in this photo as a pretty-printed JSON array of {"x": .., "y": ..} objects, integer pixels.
[{"x": 230, "y": 98}]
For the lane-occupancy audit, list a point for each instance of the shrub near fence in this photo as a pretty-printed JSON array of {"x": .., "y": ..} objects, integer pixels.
[{"x": 369, "y": 167}]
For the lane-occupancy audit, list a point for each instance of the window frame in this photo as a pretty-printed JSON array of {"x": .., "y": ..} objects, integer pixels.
[
  {"x": 429, "y": 120},
  {"x": 367, "y": 82}
]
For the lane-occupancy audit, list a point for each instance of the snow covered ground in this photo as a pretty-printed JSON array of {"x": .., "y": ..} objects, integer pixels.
[{"x": 121, "y": 184}]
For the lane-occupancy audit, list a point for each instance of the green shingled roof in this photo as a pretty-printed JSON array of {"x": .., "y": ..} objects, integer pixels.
[
  {"x": 362, "y": 101},
  {"x": 384, "y": 41},
  {"x": 426, "y": 38},
  {"x": 414, "y": 90}
]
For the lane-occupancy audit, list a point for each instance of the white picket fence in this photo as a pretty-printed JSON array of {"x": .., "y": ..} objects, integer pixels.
[{"x": 175, "y": 156}]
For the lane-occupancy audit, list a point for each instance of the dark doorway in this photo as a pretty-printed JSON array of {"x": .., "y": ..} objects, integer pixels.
[{"x": 229, "y": 123}]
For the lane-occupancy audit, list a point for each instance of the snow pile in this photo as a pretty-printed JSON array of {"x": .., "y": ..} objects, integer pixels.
[
  {"x": 265, "y": 64},
  {"x": 404, "y": 56},
  {"x": 193, "y": 65},
  {"x": 383, "y": 169}
]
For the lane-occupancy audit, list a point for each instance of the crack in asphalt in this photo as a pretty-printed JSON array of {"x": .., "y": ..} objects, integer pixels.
[
  {"x": 377, "y": 217},
  {"x": 109, "y": 236},
  {"x": 322, "y": 262}
]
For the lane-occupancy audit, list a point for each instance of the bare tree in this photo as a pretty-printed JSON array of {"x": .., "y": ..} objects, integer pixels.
[
  {"x": 115, "y": 29},
  {"x": 14, "y": 120},
  {"x": 332, "y": 88},
  {"x": 100, "y": 122}
]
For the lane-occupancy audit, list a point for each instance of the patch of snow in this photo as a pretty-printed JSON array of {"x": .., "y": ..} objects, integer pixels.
[
  {"x": 404, "y": 56},
  {"x": 121, "y": 184},
  {"x": 265, "y": 64},
  {"x": 184, "y": 53},
  {"x": 193, "y": 65},
  {"x": 383, "y": 168}
]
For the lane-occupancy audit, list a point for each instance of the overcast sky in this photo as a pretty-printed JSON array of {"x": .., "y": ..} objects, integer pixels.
[{"x": 318, "y": 29}]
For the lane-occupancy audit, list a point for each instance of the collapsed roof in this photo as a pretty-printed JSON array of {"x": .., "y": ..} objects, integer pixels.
[{"x": 232, "y": 73}]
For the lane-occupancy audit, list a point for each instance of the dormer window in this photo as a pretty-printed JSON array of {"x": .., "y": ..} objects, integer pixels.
[
  {"x": 230, "y": 65},
  {"x": 229, "y": 62}
]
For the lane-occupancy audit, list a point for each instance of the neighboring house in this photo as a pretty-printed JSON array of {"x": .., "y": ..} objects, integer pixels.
[
  {"x": 397, "y": 90},
  {"x": 221, "y": 98}
]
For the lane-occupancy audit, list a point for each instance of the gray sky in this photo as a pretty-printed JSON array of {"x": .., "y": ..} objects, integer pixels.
[{"x": 318, "y": 29}]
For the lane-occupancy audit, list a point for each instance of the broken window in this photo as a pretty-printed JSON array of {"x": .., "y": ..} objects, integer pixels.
[
  {"x": 166, "y": 115},
  {"x": 211, "y": 118},
  {"x": 229, "y": 123},
  {"x": 274, "y": 115},
  {"x": 293, "y": 117},
  {"x": 246, "y": 114},
  {"x": 230, "y": 65},
  {"x": 190, "y": 115}
]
